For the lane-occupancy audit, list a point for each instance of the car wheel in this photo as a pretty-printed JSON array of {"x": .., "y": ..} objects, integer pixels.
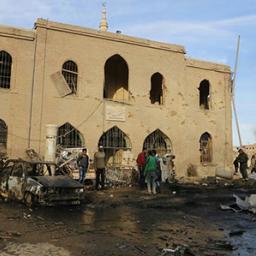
[{"x": 28, "y": 199}]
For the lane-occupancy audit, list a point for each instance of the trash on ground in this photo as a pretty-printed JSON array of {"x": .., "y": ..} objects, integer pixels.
[
  {"x": 178, "y": 251},
  {"x": 248, "y": 204}
]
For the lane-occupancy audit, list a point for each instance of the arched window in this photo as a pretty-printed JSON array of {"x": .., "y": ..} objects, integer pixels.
[
  {"x": 115, "y": 142},
  {"x": 5, "y": 70},
  {"x": 70, "y": 73},
  {"x": 158, "y": 141},
  {"x": 3, "y": 137},
  {"x": 69, "y": 137},
  {"x": 205, "y": 148},
  {"x": 156, "y": 91},
  {"x": 204, "y": 97},
  {"x": 116, "y": 79}
]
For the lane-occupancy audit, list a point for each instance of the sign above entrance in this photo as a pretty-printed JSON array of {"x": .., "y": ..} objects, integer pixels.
[{"x": 115, "y": 113}]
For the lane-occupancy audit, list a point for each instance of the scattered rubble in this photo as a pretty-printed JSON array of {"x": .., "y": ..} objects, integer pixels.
[
  {"x": 178, "y": 251},
  {"x": 248, "y": 204}
]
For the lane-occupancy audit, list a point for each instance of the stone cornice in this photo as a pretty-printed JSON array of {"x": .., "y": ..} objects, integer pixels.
[{"x": 114, "y": 37}]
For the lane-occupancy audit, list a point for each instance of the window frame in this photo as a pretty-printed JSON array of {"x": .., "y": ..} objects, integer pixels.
[
  {"x": 7, "y": 65},
  {"x": 68, "y": 73}
]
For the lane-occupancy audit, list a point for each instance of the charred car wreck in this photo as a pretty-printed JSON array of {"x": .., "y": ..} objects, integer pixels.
[{"x": 33, "y": 183}]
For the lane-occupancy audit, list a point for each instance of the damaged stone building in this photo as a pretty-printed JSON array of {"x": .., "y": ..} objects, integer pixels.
[{"x": 118, "y": 91}]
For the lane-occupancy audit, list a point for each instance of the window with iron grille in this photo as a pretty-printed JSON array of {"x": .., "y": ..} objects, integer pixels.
[
  {"x": 115, "y": 139},
  {"x": 158, "y": 141},
  {"x": 69, "y": 137},
  {"x": 206, "y": 148},
  {"x": 3, "y": 134},
  {"x": 115, "y": 142},
  {"x": 5, "y": 70},
  {"x": 70, "y": 73}
]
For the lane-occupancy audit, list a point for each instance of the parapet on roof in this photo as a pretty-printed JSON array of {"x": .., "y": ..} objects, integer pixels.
[{"x": 107, "y": 36}]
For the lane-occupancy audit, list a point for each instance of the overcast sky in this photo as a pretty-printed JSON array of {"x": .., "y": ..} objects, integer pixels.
[{"x": 207, "y": 28}]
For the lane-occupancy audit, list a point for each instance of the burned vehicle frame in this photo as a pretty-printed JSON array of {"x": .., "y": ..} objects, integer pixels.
[{"x": 33, "y": 183}]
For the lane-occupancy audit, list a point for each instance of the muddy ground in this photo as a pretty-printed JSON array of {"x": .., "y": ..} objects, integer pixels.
[{"x": 127, "y": 221}]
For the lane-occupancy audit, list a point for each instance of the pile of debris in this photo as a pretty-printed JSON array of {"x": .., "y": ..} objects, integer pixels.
[
  {"x": 119, "y": 176},
  {"x": 248, "y": 204}
]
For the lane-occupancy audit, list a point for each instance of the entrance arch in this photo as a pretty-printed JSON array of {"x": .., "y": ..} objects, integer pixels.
[
  {"x": 158, "y": 141},
  {"x": 116, "y": 144},
  {"x": 69, "y": 137}
]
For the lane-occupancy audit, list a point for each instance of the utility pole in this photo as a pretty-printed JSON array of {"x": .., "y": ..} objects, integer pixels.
[{"x": 233, "y": 91}]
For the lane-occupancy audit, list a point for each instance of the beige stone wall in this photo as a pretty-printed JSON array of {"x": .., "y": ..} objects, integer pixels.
[
  {"x": 15, "y": 102},
  {"x": 216, "y": 121},
  {"x": 180, "y": 117}
]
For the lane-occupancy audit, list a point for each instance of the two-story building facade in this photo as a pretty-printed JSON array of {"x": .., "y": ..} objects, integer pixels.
[{"x": 122, "y": 92}]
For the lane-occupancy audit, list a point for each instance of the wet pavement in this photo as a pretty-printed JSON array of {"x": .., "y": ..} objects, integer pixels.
[{"x": 127, "y": 221}]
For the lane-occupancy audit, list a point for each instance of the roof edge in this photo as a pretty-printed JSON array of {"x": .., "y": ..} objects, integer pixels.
[
  {"x": 208, "y": 65},
  {"x": 15, "y": 32},
  {"x": 42, "y": 23}
]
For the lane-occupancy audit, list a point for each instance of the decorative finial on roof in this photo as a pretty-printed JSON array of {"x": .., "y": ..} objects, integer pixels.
[{"x": 104, "y": 23}]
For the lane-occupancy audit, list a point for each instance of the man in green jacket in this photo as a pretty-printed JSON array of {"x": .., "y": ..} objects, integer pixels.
[{"x": 150, "y": 173}]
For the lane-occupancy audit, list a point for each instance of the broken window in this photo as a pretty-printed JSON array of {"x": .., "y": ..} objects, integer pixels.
[
  {"x": 70, "y": 73},
  {"x": 204, "y": 97},
  {"x": 205, "y": 148},
  {"x": 116, "y": 79},
  {"x": 3, "y": 136},
  {"x": 5, "y": 70},
  {"x": 69, "y": 137},
  {"x": 156, "y": 91},
  {"x": 61, "y": 84},
  {"x": 158, "y": 141},
  {"x": 115, "y": 143}
]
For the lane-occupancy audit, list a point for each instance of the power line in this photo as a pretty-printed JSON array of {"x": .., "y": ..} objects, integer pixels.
[{"x": 64, "y": 135}]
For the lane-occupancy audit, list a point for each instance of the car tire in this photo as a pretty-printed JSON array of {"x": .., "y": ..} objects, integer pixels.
[{"x": 28, "y": 199}]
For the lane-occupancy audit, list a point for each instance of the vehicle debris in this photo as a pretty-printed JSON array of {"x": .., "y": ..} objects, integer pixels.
[{"x": 33, "y": 183}]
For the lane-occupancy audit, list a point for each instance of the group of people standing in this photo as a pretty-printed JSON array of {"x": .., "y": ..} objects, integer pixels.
[
  {"x": 148, "y": 163},
  {"x": 149, "y": 167},
  {"x": 99, "y": 165}
]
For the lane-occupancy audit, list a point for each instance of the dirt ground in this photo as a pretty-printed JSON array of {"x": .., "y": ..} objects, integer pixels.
[{"x": 127, "y": 221}]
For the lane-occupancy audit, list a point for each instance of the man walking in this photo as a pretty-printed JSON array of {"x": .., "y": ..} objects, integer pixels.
[
  {"x": 83, "y": 163},
  {"x": 242, "y": 159},
  {"x": 99, "y": 164}
]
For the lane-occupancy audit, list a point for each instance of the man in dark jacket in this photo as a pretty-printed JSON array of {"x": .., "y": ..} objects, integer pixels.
[
  {"x": 242, "y": 159},
  {"x": 83, "y": 163}
]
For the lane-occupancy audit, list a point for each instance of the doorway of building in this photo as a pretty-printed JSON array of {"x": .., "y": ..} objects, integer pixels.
[
  {"x": 158, "y": 141},
  {"x": 117, "y": 147}
]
